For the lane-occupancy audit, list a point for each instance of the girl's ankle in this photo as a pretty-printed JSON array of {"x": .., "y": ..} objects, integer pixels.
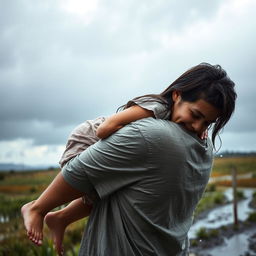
[
  {"x": 60, "y": 215},
  {"x": 35, "y": 207}
]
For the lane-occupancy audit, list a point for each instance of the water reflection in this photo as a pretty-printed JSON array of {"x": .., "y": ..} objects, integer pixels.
[
  {"x": 236, "y": 245},
  {"x": 223, "y": 215},
  {"x": 4, "y": 219}
]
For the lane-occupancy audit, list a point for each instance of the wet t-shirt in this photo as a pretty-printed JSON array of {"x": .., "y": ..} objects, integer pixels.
[{"x": 149, "y": 177}]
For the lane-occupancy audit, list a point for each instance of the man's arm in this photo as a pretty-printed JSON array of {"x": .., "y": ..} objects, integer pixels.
[{"x": 109, "y": 164}]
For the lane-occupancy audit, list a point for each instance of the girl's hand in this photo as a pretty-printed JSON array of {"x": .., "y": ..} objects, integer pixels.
[{"x": 204, "y": 135}]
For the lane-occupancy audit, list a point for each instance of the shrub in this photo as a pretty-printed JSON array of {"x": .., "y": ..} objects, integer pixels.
[
  {"x": 2, "y": 176},
  {"x": 219, "y": 198},
  {"x": 202, "y": 233},
  {"x": 211, "y": 187},
  {"x": 193, "y": 242},
  {"x": 224, "y": 227},
  {"x": 240, "y": 194},
  {"x": 252, "y": 217},
  {"x": 33, "y": 189},
  {"x": 213, "y": 233},
  {"x": 14, "y": 249},
  {"x": 205, "y": 234}
]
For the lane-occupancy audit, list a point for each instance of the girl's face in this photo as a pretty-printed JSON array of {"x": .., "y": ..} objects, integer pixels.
[{"x": 194, "y": 116}]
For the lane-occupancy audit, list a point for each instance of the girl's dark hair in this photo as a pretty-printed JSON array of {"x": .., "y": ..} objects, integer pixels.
[{"x": 204, "y": 81}]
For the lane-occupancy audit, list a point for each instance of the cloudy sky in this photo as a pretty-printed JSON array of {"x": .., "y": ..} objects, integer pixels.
[{"x": 65, "y": 61}]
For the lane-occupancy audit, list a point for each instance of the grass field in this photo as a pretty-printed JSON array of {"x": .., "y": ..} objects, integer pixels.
[
  {"x": 242, "y": 164},
  {"x": 17, "y": 188}
]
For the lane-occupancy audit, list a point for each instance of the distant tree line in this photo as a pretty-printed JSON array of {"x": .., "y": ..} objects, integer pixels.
[{"x": 235, "y": 154}]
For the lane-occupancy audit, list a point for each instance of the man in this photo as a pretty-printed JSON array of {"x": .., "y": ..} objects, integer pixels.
[{"x": 148, "y": 178}]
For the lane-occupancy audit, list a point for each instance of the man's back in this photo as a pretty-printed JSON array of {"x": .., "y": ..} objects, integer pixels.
[{"x": 149, "y": 176}]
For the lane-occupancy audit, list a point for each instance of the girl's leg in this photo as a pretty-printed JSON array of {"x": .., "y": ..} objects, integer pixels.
[
  {"x": 57, "y": 193},
  {"x": 58, "y": 221}
]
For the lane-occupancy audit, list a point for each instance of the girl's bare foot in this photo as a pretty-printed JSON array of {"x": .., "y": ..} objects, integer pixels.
[
  {"x": 33, "y": 222},
  {"x": 57, "y": 227}
]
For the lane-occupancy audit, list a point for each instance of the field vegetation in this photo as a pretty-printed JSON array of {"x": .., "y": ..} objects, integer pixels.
[
  {"x": 17, "y": 188},
  {"x": 223, "y": 166}
]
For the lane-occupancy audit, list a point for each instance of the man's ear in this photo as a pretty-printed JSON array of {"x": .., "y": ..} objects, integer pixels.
[{"x": 176, "y": 95}]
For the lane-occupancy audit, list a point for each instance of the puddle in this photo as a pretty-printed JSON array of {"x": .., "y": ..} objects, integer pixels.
[
  {"x": 223, "y": 215},
  {"x": 237, "y": 245},
  {"x": 4, "y": 219}
]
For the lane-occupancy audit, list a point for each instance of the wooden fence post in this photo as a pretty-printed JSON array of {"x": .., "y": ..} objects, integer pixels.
[{"x": 234, "y": 185}]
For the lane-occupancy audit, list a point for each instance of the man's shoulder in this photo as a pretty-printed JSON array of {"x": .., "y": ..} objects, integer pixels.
[
  {"x": 150, "y": 129},
  {"x": 157, "y": 128},
  {"x": 151, "y": 124}
]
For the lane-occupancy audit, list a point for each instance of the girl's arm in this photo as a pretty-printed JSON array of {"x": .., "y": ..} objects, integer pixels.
[{"x": 120, "y": 119}]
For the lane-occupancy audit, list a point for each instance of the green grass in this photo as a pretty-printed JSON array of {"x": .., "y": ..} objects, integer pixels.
[
  {"x": 21, "y": 247},
  {"x": 252, "y": 217},
  {"x": 10, "y": 205},
  {"x": 209, "y": 201},
  {"x": 205, "y": 234},
  {"x": 17, "y": 188}
]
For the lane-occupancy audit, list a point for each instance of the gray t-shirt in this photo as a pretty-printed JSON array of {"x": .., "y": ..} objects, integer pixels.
[{"x": 149, "y": 177}]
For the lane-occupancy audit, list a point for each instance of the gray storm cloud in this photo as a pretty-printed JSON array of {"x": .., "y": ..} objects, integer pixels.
[{"x": 56, "y": 72}]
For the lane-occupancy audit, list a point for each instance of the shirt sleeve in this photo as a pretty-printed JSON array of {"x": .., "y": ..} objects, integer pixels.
[
  {"x": 109, "y": 164},
  {"x": 159, "y": 109}
]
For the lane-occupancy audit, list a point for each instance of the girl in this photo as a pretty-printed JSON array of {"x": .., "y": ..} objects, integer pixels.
[{"x": 202, "y": 83}]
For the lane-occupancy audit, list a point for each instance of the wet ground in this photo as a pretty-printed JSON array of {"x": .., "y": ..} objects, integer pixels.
[{"x": 227, "y": 241}]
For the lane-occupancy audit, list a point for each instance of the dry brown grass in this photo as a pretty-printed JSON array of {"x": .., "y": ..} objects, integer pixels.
[
  {"x": 242, "y": 164},
  {"x": 217, "y": 174},
  {"x": 241, "y": 183},
  {"x": 15, "y": 189}
]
